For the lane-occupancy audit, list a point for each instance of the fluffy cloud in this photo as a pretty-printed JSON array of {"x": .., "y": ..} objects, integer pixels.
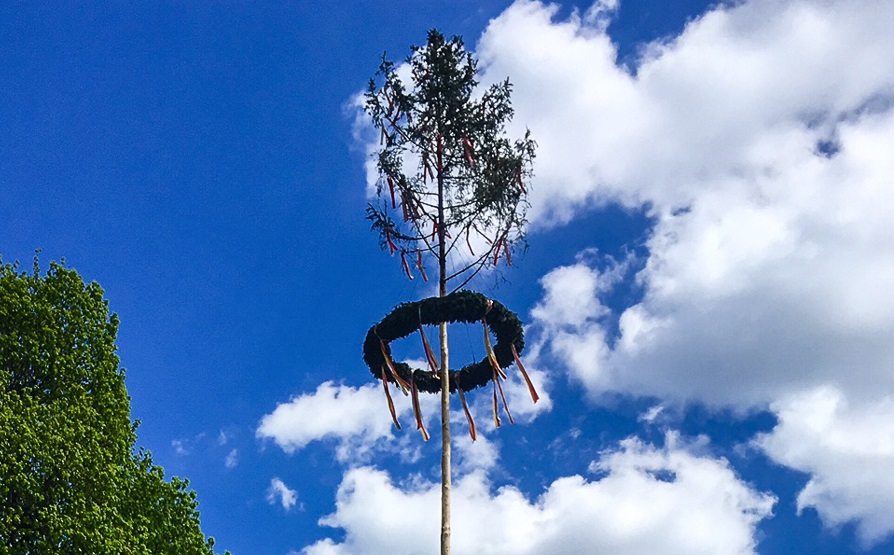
[
  {"x": 768, "y": 176},
  {"x": 356, "y": 417},
  {"x": 573, "y": 319},
  {"x": 278, "y": 492},
  {"x": 648, "y": 500},
  {"x": 759, "y": 141},
  {"x": 849, "y": 453},
  {"x": 472, "y": 456},
  {"x": 713, "y": 103}
]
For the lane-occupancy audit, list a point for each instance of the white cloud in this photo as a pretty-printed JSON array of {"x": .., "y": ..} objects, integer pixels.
[
  {"x": 847, "y": 450},
  {"x": 650, "y": 500},
  {"x": 278, "y": 492},
  {"x": 651, "y": 415},
  {"x": 571, "y": 297},
  {"x": 223, "y": 437},
  {"x": 469, "y": 456},
  {"x": 232, "y": 460},
  {"x": 770, "y": 264},
  {"x": 714, "y": 101},
  {"x": 572, "y": 317},
  {"x": 359, "y": 421},
  {"x": 366, "y": 139},
  {"x": 356, "y": 417},
  {"x": 181, "y": 446},
  {"x": 185, "y": 446},
  {"x": 759, "y": 141}
]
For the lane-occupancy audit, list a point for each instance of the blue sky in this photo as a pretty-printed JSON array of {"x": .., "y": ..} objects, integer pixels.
[{"x": 706, "y": 297}]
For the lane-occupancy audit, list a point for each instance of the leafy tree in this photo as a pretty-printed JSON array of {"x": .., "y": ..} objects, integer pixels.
[
  {"x": 452, "y": 185},
  {"x": 70, "y": 480}
]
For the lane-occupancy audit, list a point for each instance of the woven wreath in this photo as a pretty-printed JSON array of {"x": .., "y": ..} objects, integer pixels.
[{"x": 461, "y": 306}]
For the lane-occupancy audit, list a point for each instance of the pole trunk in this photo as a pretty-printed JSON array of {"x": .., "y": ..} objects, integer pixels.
[{"x": 445, "y": 367}]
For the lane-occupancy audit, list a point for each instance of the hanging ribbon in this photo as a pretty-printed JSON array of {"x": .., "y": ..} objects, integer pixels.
[
  {"x": 429, "y": 354},
  {"x": 393, "y": 120},
  {"x": 490, "y": 352},
  {"x": 496, "y": 412},
  {"x": 503, "y": 397},
  {"x": 392, "y": 248},
  {"x": 420, "y": 267},
  {"x": 410, "y": 209},
  {"x": 462, "y": 397},
  {"x": 498, "y": 372},
  {"x": 403, "y": 263},
  {"x": 390, "y": 400},
  {"x": 404, "y": 386},
  {"x": 524, "y": 373},
  {"x": 404, "y": 207},
  {"x": 418, "y": 411}
]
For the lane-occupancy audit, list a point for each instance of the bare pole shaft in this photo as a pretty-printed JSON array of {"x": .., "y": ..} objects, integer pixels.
[{"x": 445, "y": 367}]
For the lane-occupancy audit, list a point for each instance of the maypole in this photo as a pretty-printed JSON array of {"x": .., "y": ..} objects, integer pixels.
[{"x": 446, "y": 162}]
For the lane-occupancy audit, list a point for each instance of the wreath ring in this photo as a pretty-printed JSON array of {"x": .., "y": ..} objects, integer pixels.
[{"x": 460, "y": 306}]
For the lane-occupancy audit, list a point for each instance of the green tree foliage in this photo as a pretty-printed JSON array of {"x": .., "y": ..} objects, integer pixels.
[
  {"x": 70, "y": 479},
  {"x": 453, "y": 178}
]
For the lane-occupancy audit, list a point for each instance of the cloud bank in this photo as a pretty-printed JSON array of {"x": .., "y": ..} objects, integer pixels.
[
  {"x": 649, "y": 500},
  {"x": 849, "y": 453},
  {"x": 355, "y": 417},
  {"x": 763, "y": 153},
  {"x": 759, "y": 140}
]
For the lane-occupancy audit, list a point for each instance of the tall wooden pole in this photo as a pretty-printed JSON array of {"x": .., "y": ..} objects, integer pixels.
[{"x": 445, "y": 366}]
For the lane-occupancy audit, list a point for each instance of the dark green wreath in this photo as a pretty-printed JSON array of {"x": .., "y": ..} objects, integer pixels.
[{"x": 462, "y": 306}]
